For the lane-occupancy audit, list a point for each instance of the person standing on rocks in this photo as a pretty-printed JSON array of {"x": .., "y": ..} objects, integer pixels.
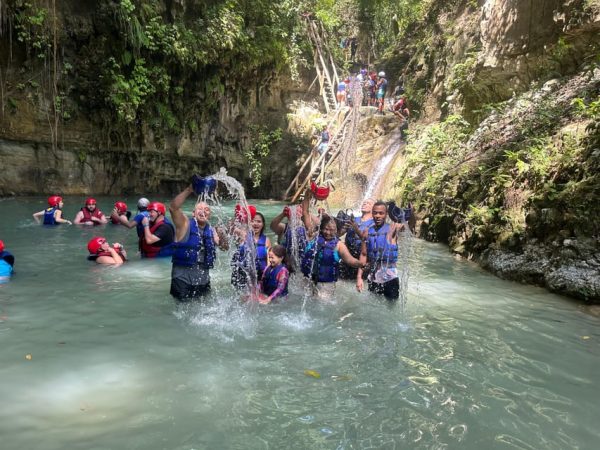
[{"x": 381, "y": 89}]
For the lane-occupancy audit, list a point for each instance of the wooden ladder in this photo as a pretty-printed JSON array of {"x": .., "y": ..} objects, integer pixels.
[
  {"x": 324, "y": 65},
  {"x": 316, "y": 165}
]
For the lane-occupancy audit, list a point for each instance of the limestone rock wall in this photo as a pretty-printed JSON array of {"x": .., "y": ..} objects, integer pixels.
[{"x": 88, "y": 151}]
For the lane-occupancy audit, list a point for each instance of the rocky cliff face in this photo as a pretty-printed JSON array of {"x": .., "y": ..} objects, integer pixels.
[
  {"x": 88, "y": 160},
  {"x": 134, "y": 97},
  {"x": 503, "y": 162}
]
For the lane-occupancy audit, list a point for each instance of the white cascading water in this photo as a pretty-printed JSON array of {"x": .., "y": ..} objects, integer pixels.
[{"x": 381, "y": 169}]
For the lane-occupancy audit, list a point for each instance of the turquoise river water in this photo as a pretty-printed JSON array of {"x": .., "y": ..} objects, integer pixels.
[{"x": 102, "y": 358}]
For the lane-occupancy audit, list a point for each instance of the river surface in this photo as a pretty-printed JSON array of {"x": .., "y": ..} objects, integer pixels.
[{"x": 102, "y": 358}]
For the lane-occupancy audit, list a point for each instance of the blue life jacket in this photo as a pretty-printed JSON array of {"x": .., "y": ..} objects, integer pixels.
[
  {"x": 186, "y": 253},
  {"x": 239, "y": 257},
  {"x": 49, "y": 216},
  {"x": 382, "y": 87},
  {"x": 138, "y": 219},
  {"x": 325, "y": 268},
  {"x": 353, "y": 241},
  {"x": 261, "y": 254},
  {"x": 269, "y": 280},
  {"x": 301, "y": 240},
  {"x": 378, "y": 248},
  {"x": 8, "y": 257}
]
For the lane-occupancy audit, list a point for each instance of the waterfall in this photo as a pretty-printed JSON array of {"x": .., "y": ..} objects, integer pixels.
[{"x": 382, "y": 168}]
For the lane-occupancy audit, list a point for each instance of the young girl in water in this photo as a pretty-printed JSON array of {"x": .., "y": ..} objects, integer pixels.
[{"x": 273, "y": 285}]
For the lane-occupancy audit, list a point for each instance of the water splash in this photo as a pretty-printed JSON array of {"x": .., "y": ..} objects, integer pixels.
[{"x": 238, "y": 231}]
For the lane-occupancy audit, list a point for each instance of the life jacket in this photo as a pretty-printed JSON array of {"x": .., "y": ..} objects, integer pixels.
[
  {"x": 269, "y": 280},
  {"x": 382, "y": 87},
  {"x": 49, "y": 216},
  {"x": 378, "y": 248},
  {"x": 261, "y": 254},
  {"x": 239, "y": 257},
  {"x": 400, "y": 105},
  {"x": 153, "y": 250},
  {"x": 288, "y": 240},
  {"x": 87, "y": 215},
  {"x": 325, "y": 268},
  {"x": 353, "y": 241},
  {"x": 8, "y": 257},
  {"x": 138, "y": 220},
  {"x": 97, "y": 255},
  {"x": 187, "y": 253}
]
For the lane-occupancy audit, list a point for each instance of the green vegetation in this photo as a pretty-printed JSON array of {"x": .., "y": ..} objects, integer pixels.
[
  {"x": 262, "y": 142},
  {"x": 136, "y": 61},
  {"x": 476, "y": 199}
]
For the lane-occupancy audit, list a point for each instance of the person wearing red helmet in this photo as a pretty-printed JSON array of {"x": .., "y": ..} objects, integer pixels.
[
  {"x": 90, "y": 214},
  {"x": 194, "y": 248},
  {"x": 52, "y": 215},
  {"x": 104, "y": 253},
  {"x": 136, "y": 222},
  {"x": 158, "y": 234},
  {"x": 7, "y": 261},
  {"x": 119, "y": 214}
]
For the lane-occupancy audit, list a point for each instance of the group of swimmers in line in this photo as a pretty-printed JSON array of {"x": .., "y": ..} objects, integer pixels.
[{"x": 311, "y": 243}]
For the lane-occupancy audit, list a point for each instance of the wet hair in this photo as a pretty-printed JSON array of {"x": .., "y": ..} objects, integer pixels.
[
  {"x": 262, "y": 230},
  {"x": 380, "y": 203},
  {"x": 281, "y": 252},
  {"x": 325, "y": 220}
]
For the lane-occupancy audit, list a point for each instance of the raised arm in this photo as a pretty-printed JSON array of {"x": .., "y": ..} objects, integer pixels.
[
  {"x": 220, "y": 238},
  {"x": 306, "y": 218},
  {"x": 395, "y": 229},
  {"x": 179, "y": 219},
  {"x": 276, "y": 226}
]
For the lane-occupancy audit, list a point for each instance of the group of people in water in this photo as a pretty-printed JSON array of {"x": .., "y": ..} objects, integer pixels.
[
  {"x": 374, "y": 87},
  {"x": 322, "y": 247}
]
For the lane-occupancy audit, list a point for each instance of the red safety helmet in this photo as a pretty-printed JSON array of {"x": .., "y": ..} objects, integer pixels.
[
  {"x": 158, "y": 207},
  {"x": 320, "y": 192},
  {"x": 121, "y": 207},
  {"x": 90, "y": 201},
  {"x": 241, "y": 212},
  {"x": 95, "y": 244},
  {"x": 1, "y": 245},
  {"x": 54, "y": 200}
]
